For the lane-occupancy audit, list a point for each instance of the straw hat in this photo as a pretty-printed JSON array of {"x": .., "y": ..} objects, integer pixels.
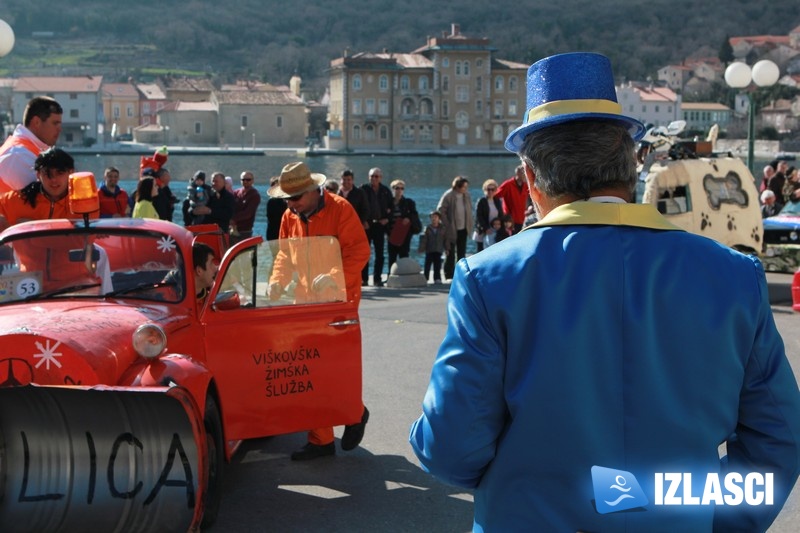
[
  {"x": 296, "y": 179},
  {"x": 567, "y": 87}
]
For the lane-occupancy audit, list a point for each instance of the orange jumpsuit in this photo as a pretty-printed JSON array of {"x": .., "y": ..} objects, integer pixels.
[{"x": 336, "y": 218}]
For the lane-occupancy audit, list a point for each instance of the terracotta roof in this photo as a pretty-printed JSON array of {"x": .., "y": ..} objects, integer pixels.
[
  {"x": 705, "y": 106},
  {"x": 151, "y": 91},
  {"x": 258, "y": 97},
  {"x": 53, "y": 84},
  {"x": 194, "y": 106},
  {"x": 120, "y": 89},
  {"x": 756, "y": 40},
  {"x": 412, "y": 60},
  {"x": 189, "y": 84},
  {"x": 505, "y": 64},
  {"x": 655, "y": 94}
]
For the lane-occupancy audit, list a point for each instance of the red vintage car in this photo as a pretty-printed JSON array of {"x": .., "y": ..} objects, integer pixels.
[{"x": 122, "y": 394}]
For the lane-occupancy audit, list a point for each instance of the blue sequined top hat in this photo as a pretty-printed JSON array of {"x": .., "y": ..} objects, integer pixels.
[{"x": 567, "y": 87}]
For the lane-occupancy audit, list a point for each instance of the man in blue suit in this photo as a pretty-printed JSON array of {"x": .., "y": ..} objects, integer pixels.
[{"x": 594, "y": 363}]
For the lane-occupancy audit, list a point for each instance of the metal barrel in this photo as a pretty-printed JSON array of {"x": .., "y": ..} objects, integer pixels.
[{"x": 98, "y": 460}]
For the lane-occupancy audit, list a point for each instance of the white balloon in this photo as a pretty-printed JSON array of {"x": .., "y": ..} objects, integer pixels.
[
  {"x": 737, "y": 75},
  {"x": 6, "y": 38},
  {"x": 765, "y": 73}
]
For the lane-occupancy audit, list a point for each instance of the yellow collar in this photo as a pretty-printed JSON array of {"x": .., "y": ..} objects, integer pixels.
[{"x": 606, "y": 214}]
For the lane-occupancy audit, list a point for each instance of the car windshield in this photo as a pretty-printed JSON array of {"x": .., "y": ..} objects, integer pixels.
[
  {"x": 91, "y": 265},
  {"x": 791, "y": 208}
]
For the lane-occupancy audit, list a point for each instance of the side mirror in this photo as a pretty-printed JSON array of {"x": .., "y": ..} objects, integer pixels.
[{"x": 225, "y": 301}]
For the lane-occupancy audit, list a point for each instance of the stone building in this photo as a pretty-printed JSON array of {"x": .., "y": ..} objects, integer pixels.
[{"x": 450, "y": 94}]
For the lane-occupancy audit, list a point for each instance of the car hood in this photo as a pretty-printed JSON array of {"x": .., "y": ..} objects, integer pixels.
[
  {"x": 782, "y": 222},
  {"x": 72, "y": 342}
]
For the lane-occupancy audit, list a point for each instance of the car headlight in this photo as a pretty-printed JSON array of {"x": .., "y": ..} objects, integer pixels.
[
  {"x": 793, "y": 235},
  {"x": 149, "y": 340}
]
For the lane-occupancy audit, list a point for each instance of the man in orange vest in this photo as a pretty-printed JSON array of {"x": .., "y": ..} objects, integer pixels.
[{"x": 40, "y": 129}]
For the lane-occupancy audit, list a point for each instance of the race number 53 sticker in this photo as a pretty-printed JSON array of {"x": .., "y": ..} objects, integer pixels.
[{"x": 27, "y": 287}]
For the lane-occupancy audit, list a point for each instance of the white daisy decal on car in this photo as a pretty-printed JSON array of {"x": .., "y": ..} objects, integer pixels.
[
  {"x": 166, "y": 244},
  {"x": 47, "y": 354}
]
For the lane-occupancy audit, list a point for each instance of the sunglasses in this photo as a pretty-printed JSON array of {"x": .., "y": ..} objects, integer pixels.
[
  {"x": 375, "y": 176},
  {"x": 247, "y": 179},
  {"x": 296, "y": 197},
  {"x": 491, "y": 188},
  {"x": 398, "y": 188}
]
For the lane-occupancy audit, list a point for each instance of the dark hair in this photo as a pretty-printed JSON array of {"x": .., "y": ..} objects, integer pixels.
[
  {"x": 54, "y": 158},
  {"x": 144, "y": 189},
  {"x": 42, "y": 107},
  {"x": 200, "y": 253},
  {"x": 347, "y": 172},
  {"x": 459, "y": 182}
]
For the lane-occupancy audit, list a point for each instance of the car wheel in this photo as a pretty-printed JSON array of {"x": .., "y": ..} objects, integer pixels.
[{"x": 216, "y": 462}]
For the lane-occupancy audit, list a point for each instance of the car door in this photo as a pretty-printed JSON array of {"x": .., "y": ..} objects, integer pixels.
[{"x": 288, "y": 364}]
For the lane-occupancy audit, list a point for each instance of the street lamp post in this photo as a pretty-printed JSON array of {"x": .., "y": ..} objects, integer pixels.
[
  {"x": 242, "y": 127},
  {"x": 738, "y": 75}
]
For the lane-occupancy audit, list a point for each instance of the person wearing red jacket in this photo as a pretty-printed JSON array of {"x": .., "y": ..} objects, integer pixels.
[
  {"x": 514, "y": 193},
  {"x": 313, "y": 211},
  {"x": 113, "y": 198}
]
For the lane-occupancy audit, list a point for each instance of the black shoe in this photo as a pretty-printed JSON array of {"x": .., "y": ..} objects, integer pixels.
[
  {"x": 379, "y": 284},
  {"x": 353, "y": 434},
  {"x": 312, "y": 451}
]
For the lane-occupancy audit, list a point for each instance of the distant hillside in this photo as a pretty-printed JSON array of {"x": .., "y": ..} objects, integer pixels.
[{"x": 271, "y": 39}]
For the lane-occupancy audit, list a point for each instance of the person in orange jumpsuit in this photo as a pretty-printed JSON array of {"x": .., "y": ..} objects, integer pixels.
[
  {"x": 314, "y": 211},
  {"x": 44, "y": 198}
]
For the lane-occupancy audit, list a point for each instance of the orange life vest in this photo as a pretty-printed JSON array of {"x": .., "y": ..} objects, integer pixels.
[{"x": 10, "y": 143}]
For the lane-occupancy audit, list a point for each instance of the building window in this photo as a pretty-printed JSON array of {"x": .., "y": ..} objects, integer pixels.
[
  {"x": 356, "y": 82},
  {"x": 357, "y": 106},
  {"x": 497, "y": 133},
  {"x": 466, "y": 68},
  {"x": 498, "y": 84},
  {"x": 115, "y": 111},
  {"x": 478, "y": 107},
  {"x": 445, "y": 109},
  {"x": 644, "y": 109},
  {"x": 130, "y": 110},
  {"x": 356, "y": 132},
  {"x": 73, "y": 113},
  {"x": 458, "y": 68},
  {"x": 383, "y": 132},
  {"x": 656, "y": 109},
  {"x": 425, "y": 107},
  {"x": 479, "y": 63},
  {"x": 73, "y": 96},
  {"x": 478, "y": 132},
  {"x": 445, "y": 83},
  {"x": 445, "y": 132},
  {"x": 407, "y": 107},
  {"x": 445, "y": 62},
  {"x": 669, "y": 109},
  {"x": 462, "y": 120},
  {"x": 478, "y": 84},
  {"x": 198, "y": 128},
  {"x": 369, "y": 133},
  {"x": 426, "y": 134},
  {"x": 383, "y": 107},
  {"x": 512, "y": 84},
  {"x": 498, "y": 109},
  {"x": 423, "y": 83},
  {"x": 244, "y": 120},
  {"x": 512, "y": 108},
  {"x": 383, "y": 83},
  {"x": 407, "y": 133},
  {"x": 462, "y": 93},
  {"x": 279, "y": 121},
  {"x": 146, "y": 108},
  {"x": 370, "y": 109},
  {"x": 404, "y": 83}
]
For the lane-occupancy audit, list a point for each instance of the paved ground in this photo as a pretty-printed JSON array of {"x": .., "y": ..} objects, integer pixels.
[{"x": 379, "y": 487}]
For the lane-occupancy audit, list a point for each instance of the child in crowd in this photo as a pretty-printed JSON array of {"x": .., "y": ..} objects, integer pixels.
[
  {"x": 432, "y": 243},
  {"x": 507, "y": 230},
  {"x": 491, "y": 235}
]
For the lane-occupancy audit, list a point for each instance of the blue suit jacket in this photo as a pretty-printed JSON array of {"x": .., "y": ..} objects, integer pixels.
[{"x": 605, "y": 336}]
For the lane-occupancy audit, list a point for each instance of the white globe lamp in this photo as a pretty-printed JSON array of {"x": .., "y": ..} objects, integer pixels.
[{"x": 6, "y": 38}]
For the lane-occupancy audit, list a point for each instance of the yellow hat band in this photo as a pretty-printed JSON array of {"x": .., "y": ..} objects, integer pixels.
[{"x": 569, "y": 107}]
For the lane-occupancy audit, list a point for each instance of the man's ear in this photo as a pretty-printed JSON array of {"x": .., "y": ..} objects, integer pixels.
[{"x": 530, "y": 178}]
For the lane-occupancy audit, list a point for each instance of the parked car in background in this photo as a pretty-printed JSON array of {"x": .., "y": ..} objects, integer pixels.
[{"x": 782, "y": 240}]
